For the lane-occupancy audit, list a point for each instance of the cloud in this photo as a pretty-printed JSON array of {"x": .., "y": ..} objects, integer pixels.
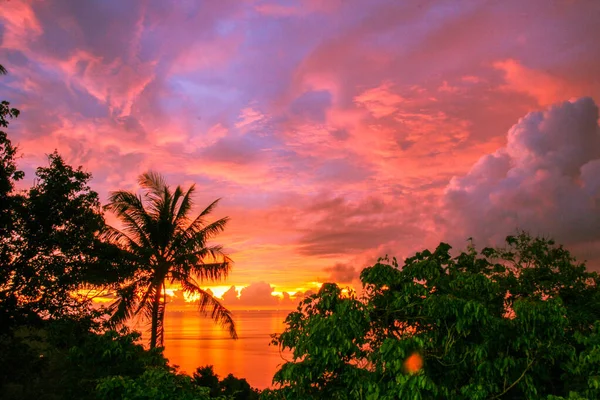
[
  {"x": 342, "y": 273},
  {"x": 545, "y": 180},
  {"x": 380, "y": 101},
  {"x": 302, "y": 8},
  {"x": 249, "y": 116},
  {"x": 230, "y": 296},
  {"x": 21, "y": 25},
  {"x": 330, "y": 128},
  {"x": 257, "y": 295},
  {"x": 542, "y": 86},
  {"x": 178, "y": 301},
  {"x": 312, "y": 105},
  {"x": 343, "y": 229}
]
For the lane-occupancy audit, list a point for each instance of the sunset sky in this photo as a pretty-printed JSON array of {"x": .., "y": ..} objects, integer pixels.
[{"x": 335, "y": 131}]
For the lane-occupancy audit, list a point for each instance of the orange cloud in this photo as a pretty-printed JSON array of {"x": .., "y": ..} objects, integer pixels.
[
  {"x": 258, "y": 295},
  {"x": 380, "y": 101},
  {"x": 544, "y": 87}
]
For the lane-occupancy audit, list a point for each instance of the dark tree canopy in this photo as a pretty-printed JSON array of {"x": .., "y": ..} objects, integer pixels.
[
  {"x": 9, "y": 174},
  {"x": 54, "y": 247},
  {"x": 519, "y": 322},
  {"x": 49, "y": 236}
]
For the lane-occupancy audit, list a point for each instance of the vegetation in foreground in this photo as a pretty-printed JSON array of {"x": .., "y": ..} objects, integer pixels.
[{"x": 520, "y": 322}]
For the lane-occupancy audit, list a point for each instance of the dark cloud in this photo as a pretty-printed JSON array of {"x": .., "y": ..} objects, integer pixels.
[
  {"x": 236, "y": 150},
  {"x": 342, "y": 273},
  {"x": 342, "y": 170},
  {"x": 312, "y": 105},
  {"x": 340, "y": 134},
  {"x": 345, "y": 227}
]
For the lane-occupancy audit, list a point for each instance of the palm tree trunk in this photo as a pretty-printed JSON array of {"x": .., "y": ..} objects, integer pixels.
[
  {"x": 162, "y": 315},
  {"x": 155, "y": 316}
]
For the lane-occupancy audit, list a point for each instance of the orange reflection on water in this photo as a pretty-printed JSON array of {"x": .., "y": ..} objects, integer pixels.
[{"x": 192, "y": 341}]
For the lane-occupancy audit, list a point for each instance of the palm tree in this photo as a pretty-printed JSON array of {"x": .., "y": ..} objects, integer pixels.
[{"x": 167, "y": 246}]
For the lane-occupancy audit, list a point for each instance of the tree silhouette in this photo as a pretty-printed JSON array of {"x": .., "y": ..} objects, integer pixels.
[{"x": 168, "y": 247}]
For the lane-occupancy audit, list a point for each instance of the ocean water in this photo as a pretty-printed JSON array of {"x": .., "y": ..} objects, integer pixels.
[{"x": 192, "y": 341}]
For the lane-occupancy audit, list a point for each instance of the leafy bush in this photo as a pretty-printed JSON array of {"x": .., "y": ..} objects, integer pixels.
[{"x": 515, "y": 322}]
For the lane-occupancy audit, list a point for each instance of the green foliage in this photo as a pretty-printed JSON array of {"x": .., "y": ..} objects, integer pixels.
[
  {"x": 328, "y": 335},
  {"x": 230, "y": 387},
  {"x": 517, "y": 322},
  {"x": 153, "y": 384},
  {"x": 167, "y": 246},
  {"x": 206, "y": 377}
]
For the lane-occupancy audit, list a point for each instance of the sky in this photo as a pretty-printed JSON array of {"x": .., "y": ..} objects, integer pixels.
[{"x": 334, "y": 131}]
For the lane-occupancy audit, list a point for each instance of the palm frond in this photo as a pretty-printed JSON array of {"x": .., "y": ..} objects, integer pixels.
[
  {"x": 184, "y": 208},
  {"x": 3, "y": 70},
  {"x": 211, "y": 254},
  {"x": 160, "y": 205},
  {"x": 203, "y": 271},
  {"x": 187, "y": 244},
  {"x": 211, "y": 229},
  {"x": 194, "y": 238},
  {"x": 154, "y": 183},
  {"x": 213, "y": 271},
  {"x": 208, "y": 305},
  {"x": 122, "y": 308},
  {"x": 199, "y": 221},
  {"x": 130, "y": 209},
  {"x": 175, "y": 200},
  {"x": 152, "y": 180},
  {"x": 113, "y": 235}
]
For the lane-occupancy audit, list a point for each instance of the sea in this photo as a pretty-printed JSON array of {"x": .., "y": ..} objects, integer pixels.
[{"x": 192, "y": 341}]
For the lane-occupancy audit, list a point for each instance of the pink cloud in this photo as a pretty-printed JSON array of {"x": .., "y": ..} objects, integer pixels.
[
  {"x": 209, "y": 54},
  {"x": 277, "y": 10},
  {"x": 330, "y": 128},
  {"x": 544, "y": 180},
  {"x": 249, "y": 116},
  {"x": 21, "y": 25},
  {"x": 274, "y": 9},
  {"x": 379, "y": 101},
  {"x": 542, "y": 86}
]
